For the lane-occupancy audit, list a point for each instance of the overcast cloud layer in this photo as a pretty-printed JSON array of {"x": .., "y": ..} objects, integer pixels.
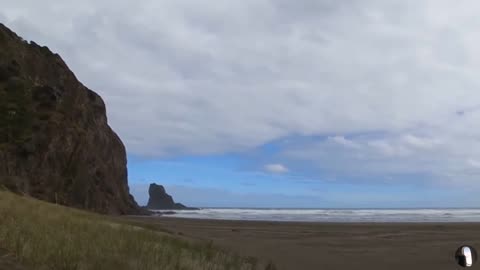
[{"x": 390, "y": 87}]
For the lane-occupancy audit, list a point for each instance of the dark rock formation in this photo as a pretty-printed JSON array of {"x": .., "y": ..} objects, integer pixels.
[
  {"x": 159, "y": 199},
  {"x": 55, "y": 143}
]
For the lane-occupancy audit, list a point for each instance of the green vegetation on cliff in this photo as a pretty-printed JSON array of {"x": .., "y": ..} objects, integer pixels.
[
  {"x": 15, "y": 107},
  {"x": 47, "y": 236}
]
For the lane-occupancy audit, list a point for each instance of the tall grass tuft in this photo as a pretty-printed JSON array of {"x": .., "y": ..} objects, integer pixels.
[{"x": 44, "y": 236}]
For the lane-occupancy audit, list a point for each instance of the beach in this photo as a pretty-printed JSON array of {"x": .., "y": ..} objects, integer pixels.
[{"x": 303, "y": 245}]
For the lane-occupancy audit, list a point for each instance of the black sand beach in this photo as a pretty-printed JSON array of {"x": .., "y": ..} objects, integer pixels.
[{"x": 298, "y": 246}]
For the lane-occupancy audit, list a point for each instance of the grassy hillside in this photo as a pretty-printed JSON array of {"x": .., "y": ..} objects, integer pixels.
[{"x": 47, "y": 236}]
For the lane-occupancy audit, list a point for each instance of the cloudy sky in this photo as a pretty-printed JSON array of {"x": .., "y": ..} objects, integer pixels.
[{"x": 280, "y": 103}]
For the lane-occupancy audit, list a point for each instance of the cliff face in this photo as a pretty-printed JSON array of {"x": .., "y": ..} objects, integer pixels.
[
  {"x": 159, "y": 199},
  {"x": 55, "y": 143}
]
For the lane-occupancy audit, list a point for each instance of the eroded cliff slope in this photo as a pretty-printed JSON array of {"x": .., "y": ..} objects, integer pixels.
[{"x": 55, "y": 142}]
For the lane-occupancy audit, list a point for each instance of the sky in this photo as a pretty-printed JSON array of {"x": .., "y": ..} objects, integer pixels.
[{"x": 280, "y": 103}]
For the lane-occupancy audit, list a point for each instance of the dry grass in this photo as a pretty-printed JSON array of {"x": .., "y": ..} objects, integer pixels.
[{"x": 45, "y": 236}]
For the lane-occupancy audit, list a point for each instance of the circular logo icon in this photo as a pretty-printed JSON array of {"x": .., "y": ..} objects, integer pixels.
[{"x": 466, "y": 256}]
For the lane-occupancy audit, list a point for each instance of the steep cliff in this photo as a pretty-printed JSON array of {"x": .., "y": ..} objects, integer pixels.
[
  {"x": 55, "y": 143},
  {"x": 159, "y": 199}
]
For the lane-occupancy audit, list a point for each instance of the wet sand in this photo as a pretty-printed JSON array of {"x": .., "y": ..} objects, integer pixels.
[{"x": 299, "y": 246}]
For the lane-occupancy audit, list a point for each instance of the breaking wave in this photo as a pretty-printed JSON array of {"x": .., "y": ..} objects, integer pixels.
[{"x": 334, "y": 215}]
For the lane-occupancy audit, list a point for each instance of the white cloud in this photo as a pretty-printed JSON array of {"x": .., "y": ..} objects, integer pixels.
[
  {"x": 184, "y": 77},
  {"x": 276, "y": 168},
  {"x": 424, "y": 143},
  {"x": 388, "y": 148},
  {"x": 345, "y": 142},
  {"x": 434, "y": 154},
  {"x": 474, "y": 163}
]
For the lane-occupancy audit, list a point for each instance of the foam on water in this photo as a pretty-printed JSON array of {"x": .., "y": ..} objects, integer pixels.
[{"x": 335, "y": 215}]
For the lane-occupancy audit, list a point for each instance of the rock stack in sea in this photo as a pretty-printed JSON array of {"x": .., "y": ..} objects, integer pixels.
[{"x": 160, "y": 200}]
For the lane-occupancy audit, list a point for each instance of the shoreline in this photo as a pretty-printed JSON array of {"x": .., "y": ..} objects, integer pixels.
[
  {"x": 324, "y": 245},
  {"x": 171, "y": 216},
  {"x": 332, "y": 216}
]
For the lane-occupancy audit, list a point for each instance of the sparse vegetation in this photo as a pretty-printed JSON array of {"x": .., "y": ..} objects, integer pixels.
[
  {"x": 15, "y": 112},
  {"x": 48, "y": 236}
]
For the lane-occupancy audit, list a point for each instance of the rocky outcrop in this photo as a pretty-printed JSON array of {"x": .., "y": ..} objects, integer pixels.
[
  {"x": 159, "y": 199},
  {"x": 55, "y": 143}
]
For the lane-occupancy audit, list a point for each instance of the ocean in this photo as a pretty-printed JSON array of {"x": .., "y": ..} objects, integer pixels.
[{"x": 333, "y": 215}]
